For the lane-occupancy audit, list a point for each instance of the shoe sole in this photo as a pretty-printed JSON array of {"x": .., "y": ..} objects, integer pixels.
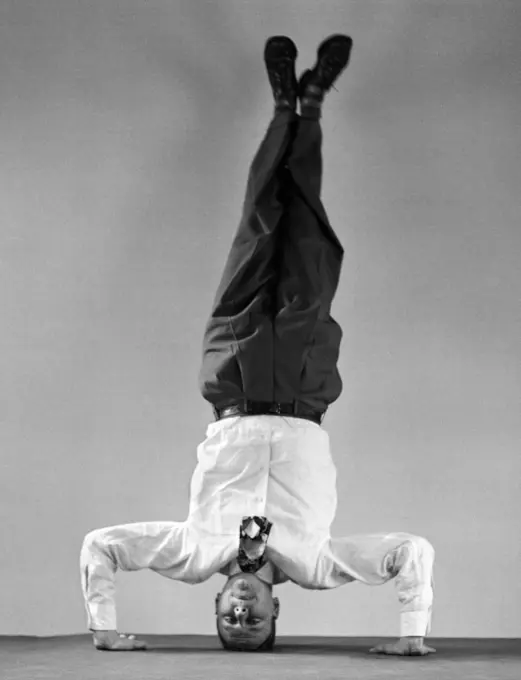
[
  {"x": 336, "y": 46},
  {"x": 341, "y": 44},
  {"x": 280, "y": 47}
]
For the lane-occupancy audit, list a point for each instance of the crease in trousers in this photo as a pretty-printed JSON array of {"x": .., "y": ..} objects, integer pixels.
[{"x": 270, "y": 336}]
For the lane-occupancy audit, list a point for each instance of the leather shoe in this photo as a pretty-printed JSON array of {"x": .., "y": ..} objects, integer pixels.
[
  {"x": 332, "y": 58},
  {"x": 280, "y": 54}
]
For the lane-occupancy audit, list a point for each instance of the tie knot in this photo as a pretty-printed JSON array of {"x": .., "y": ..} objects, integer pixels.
[{"x": 253, "y": 534}]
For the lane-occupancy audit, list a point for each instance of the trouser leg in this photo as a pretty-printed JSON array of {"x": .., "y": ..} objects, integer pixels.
[
  {"x": 238, "y": 341},
  {"x": 307, "y": 339}
]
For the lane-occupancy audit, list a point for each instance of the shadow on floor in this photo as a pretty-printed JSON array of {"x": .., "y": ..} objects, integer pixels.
[
  {"x": 449, "y": 648},
  {"x": 201, "y": 656}
]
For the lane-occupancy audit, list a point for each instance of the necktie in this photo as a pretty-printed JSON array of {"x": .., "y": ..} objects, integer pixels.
[{"x": 253, "y": 536}]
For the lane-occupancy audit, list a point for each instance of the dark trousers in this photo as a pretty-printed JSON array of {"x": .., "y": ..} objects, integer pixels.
[{"x": 270, "y": 336}]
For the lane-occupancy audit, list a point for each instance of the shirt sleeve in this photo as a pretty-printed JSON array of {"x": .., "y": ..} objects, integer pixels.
[
  {"x": 375, "y": 559},
  {"x": 162, "y": 546}
]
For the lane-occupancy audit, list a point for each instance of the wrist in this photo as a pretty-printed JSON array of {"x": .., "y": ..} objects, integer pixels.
[
  {"x": 104, "y": 633},
  {"x": 102, "y": 630}
]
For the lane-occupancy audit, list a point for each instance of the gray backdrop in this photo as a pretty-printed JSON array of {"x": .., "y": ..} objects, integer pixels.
[{"x": 126, "y": 132}]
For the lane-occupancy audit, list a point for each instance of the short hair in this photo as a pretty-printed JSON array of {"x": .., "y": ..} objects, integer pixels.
[{"x": 266, "y": 646}]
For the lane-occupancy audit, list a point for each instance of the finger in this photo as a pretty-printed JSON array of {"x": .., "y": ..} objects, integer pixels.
[
  {"x": 423, "y": 651},
  {"x": 420, "y": 651},
  {"x": 379, "y": 649},
  {"x": 430, "y": 650},
  {"x": 102, "y": 646},
  {"x": 415, "y": 652},
  {"x": 134, "y": 645},
  {"x": 127, "y": 645},
  {"x": 122, "y": 645}
]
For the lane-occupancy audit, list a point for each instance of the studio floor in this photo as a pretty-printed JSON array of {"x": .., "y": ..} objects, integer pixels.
[{"x": 200, "y": 656}]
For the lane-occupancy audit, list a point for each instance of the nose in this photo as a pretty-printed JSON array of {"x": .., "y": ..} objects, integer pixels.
[{"x": 241, "y": 612}]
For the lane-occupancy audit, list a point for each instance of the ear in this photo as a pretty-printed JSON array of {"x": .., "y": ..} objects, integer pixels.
[
  {"x": 217, "y": 600},
  {"x": 276, "y": 607}
]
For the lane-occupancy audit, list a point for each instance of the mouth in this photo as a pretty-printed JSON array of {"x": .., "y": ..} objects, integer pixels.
[
  {"x": 247, "y": 596},
  {"x": 243, "y": 590}
]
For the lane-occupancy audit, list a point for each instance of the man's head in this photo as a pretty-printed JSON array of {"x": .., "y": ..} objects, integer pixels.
[{"x": 246, "y": 612}]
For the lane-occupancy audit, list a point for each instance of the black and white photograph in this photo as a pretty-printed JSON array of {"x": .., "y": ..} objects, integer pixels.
[{"x": 260, "y": 339}]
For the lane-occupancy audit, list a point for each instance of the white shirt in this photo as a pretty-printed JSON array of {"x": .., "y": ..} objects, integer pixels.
[{"x": 275, "y": 467}]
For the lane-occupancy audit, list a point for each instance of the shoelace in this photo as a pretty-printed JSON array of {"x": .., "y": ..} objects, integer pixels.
[
  {"x": 329, "y": 72},
  {"x": 277, "y": 79}
]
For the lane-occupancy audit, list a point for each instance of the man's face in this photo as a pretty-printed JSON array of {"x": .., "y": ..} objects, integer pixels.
[{"x": 245, "y": 610}]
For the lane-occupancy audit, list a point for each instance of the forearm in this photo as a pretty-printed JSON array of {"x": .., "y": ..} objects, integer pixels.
[
  {"x": 169, "y": 548},
  {"x": 413, "y": 566},
  {"x": 98, "y": 570},
  {"x": 375, "y": 559}
]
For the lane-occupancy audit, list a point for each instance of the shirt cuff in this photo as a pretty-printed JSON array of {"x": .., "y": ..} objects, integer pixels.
[
  {"x": 415, "y": 624},
  {"x": 101, "y": 617}
]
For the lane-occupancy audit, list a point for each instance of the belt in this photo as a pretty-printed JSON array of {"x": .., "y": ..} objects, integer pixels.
[{"x": 267, "y": 408}]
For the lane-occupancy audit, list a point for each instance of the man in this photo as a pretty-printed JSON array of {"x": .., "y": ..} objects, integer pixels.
[{"x": 263, "y": 494}]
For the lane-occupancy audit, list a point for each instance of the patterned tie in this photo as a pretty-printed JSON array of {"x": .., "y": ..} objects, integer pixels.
[{"x": 253, "y": 536}]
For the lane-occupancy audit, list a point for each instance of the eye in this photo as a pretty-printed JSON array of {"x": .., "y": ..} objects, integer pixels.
[{"x": 233, "y": 620}]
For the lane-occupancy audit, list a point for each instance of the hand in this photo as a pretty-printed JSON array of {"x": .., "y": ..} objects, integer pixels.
[
  {"x": 111, "y": 640},
  {"x": 406, "y": 646}
]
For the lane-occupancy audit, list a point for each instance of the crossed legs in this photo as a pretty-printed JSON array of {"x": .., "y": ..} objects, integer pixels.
[{"x": 271, "y": 310}]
